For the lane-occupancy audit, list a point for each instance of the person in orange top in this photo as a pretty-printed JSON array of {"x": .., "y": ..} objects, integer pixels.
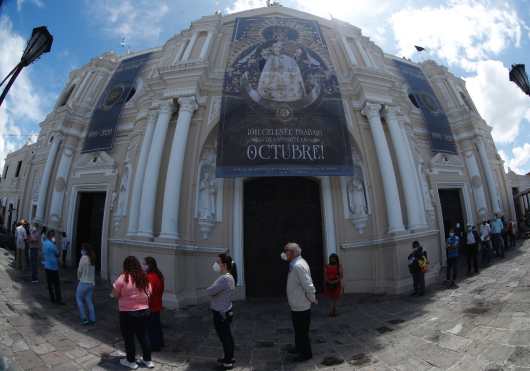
[
  {"x": 333, "y": 282},
  {"x": 156, "y": 279}
]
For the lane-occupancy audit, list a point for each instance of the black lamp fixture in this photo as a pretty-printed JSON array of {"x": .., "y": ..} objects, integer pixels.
[
  {"x": 40, "y": 42},
  {"x": 520, "y": 78}
]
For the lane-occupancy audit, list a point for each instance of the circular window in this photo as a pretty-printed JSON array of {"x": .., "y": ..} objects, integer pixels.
[{"x": 414, "y": 101}]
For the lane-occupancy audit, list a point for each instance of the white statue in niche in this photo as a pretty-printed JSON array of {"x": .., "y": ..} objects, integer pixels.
[
  {"x": 281, "y": 79},
  {"x": 207, "y": 194},
  {"x": 357, "y": 197},
  {"x": 122, "y": 191}
]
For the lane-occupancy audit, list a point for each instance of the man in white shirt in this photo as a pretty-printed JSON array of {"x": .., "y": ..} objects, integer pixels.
[
  {"x": 20, "y": 240},
  {"x": 300, "y": 295}
]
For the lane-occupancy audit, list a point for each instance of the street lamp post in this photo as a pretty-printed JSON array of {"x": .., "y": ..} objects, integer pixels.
[
  {"x": 39, "y": 43},
  {"x": 520, "y": 78}
]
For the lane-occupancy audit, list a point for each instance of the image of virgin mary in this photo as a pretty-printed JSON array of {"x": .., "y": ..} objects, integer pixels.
[{"x": 280, "y": 79}]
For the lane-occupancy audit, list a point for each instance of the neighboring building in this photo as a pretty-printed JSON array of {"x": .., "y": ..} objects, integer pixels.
[{"x": 155, "y": 193}]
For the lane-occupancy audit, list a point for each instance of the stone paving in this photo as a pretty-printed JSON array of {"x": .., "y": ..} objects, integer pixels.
[{"x": 482, "y": 325}]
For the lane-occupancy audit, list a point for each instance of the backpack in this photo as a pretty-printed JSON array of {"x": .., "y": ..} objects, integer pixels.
[{"x": 423, "y": 263}]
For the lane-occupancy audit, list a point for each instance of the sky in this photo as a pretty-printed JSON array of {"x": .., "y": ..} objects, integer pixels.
[{"x": 477, "y": 40}]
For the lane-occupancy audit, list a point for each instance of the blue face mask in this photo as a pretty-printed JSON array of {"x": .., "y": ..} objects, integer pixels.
[{"x": 83, "y": 252}]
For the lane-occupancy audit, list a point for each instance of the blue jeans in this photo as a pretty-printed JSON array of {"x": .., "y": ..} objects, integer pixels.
[{"x": 84, "y": 295}]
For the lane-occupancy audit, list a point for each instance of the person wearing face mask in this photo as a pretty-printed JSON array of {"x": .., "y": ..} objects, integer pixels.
[
  {"x": 50, "y": 255},
  {"x": 472, "y": 239},
  {"x": 156, "y": 279},
  {"x": 301, "y": 294},
  {"x": 86, "y": 274},
  {"x": 452, "y": 258},
  {"x": 221, "y": 292}
]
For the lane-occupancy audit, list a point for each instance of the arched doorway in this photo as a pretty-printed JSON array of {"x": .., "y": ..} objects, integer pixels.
[{"x": 278, "y": 210}]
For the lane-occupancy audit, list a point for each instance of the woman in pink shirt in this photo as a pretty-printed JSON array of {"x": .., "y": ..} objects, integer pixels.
[{"x": 132, "y": 289}]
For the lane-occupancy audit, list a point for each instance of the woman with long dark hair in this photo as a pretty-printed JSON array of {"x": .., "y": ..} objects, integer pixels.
[
  {"x": 86, "y": 274},
  {"x": 156, "y": 279},
  {"x": 333, "y": 280},
  {"x": 132, "y": 289},
  {"x": 221, "y": 292}
]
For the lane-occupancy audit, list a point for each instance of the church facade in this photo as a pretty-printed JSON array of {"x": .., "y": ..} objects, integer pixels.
[{"x": 250, "y": 130}]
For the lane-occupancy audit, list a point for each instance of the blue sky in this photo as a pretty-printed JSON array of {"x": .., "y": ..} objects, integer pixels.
[{"x": 477, "y": 39}]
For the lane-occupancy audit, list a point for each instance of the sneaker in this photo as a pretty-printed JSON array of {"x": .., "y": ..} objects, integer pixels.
[
  {"x": 148, "y": 364},
  {"x": 228, "y": 365},
  {"x": 35, "y": 281},
  {"x": 131, "y": 365},
  {"x": 85, "y": 322}
]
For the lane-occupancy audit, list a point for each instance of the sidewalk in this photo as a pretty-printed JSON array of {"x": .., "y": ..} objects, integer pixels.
[{"x": 483, "y": 325}]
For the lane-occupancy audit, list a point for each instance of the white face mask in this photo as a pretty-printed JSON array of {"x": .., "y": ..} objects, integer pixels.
[
  {"x": 451, "y": 234},
  {"x": 283, "y": 256},
  {"x": 144, "y": 267},
  {"x": 83, "y": 252},
  {"x": 216, "y": 267}
]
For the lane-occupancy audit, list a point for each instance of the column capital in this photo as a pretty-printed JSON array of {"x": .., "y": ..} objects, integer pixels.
[
  {"x": 391, "y": 111},
  {"x": 371, "y": 109},
  {"x": 167, "y": 106},
  {"x": 188, "y": 103}
]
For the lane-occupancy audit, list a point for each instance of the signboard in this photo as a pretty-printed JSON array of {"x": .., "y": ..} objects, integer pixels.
[
  {"x": 281, "y": 110},
  {"x": 437, "y": 123},
  {"x": 119, "y": 90}
]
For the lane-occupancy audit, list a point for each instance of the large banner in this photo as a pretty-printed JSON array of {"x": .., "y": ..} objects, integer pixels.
[
  {"x": 281, "y": 112},
  {"x": 437, "y": 123},
  {"x": 120, "y": 88}
]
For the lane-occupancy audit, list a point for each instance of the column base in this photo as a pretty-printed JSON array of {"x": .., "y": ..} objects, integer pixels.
[
  {"x": 395, "y": 231},
  {"x": 417, "y": 227},
  {"x": 167, "y": 237},
  {"x": 146, "y": 236}
]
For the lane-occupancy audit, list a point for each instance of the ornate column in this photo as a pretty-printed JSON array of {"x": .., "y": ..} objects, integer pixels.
[
  {"x": 393, "y": 205},
  {"x": 56, "y": 208},
  {"x": 45, "y": 180},
  {"x": 329, "y": 223},
  {"x": 171, "y": 206},
  {"x": 409, "y": 175},
  {"x": 489, "y": 176},
  {"x": 139, "y": 175},
  {"x": 150, "y": 182},
  {"x": 476, "y": 184}
]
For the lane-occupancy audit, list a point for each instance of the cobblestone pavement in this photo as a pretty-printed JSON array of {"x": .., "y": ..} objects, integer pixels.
[{"x": 482, "y": 325}]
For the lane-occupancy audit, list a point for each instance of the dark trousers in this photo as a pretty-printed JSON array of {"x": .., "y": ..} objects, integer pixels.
[
  {"x": 498, "y": 244},
  {"x": 472, "y": 257},
  {"x": 418, "y": 279},
  {"x": 452, "y": 268},
  {"x": 54, "y": 285},
  {"x": 222, "y": 323},
  {"x": 34, "y": 262},
  {"x": 486, "y": 252},
  {"x": 154, "y": 329},
  {"x": 63, "y": 258},
  {"x": 135, "y": 324},
  {"x": 511, "y": 240},
  {"x": 301, "y": 324},
  {"x": 27, "y": 254}
]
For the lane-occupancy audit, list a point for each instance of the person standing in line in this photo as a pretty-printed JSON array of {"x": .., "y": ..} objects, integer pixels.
[
  {"x": 301, "y": 294},
  {"x": 132, "y": 289},
  {"x": 156, "y": 279},
  {"x": 472, "y": 239},
  {"x": 504, "y": 233},
  {"x": 35, "y": 247},
  {"x": 452, "y": 259},
  {"x": 496, "y": 231},
  {"x": 20, "y": 241},
  {"x": 459, "y": 231},
  {"x": 486, "y": 242},
  {"x": 43, "y": 234},
  {"x": 65, "y": 247},
  {"x": 417, "y": 261},
  {"x": 84, "y": 294},
  {"x": 333, "y": 282},
  {"x": 50, "y": 255},
  {"x": 221, "y": 292},
  {"x": 511, "y": 233}
]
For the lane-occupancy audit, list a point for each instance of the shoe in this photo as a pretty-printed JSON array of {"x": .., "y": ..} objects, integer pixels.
[
  {"x": 227, "y": 365},
  {"x": 131, "y": 365},
  {"x": 85, "y": 322},
  {"x": 148, "y": 364},
  {"x": 292, "y": 350},
  {"x": 91, "y": 323},
  {"x": 302, "y": 358},
  {"x": 222, "y": 361},
  {"x": 35, "y": 281}
]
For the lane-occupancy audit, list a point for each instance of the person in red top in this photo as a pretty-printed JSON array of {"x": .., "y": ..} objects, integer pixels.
[
  {"x": 156, "y": 279},
  {"x": 333, "y": 280}
]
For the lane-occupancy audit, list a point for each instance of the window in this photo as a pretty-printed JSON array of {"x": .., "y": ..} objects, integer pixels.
[
  {"x": 414, "y": 101},
  {"x": 17, "y": 172},
  {"x": 183, "y": 50},
  {"x": 66, "y": 96}
]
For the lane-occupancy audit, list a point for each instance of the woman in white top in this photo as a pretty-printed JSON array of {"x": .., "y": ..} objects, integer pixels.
[{"x": 86, "y": 274}]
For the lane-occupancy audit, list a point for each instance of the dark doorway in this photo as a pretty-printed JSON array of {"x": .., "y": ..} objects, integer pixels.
[
  {"x": 276, "y": 211},
  {"x": 89, "y": 225},
  {"x": 452, "y": 211}
]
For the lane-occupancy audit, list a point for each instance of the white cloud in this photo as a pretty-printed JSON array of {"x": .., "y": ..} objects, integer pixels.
[
  {"x": 23, "y": 103},
  {"x": 241, "y": 5},
  {"x": 461, "y": 32},
  {"x": 137, "y": 21},
  {"x": 38, "y": 3},
  {"x": 520, "y": 159},
  {"x": 500, "y": 102}
]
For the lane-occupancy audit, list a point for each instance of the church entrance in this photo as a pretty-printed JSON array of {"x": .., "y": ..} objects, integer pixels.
[
  {"x": 89, "y": 224},
  {"x": 452, "y": 211},
  {"x": 278, "y": 210}
]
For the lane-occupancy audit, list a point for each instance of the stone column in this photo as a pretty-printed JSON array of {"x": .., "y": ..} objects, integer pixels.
[
  {"x": 56, "y": 208},
  {"x": 329, "y": 223},
  {"x": 393, "y": 205},
  {"x": 171, "y": 206},
  {"x": 45, "y": 180},
  {"x": 476, "y": 184},
  {"x": 204, "y": 49},
  {"x": 150, "y": 182},
  {"x": 139, "y": 175},
  {"x": 409, "y": 175},
  {"x": 489, "y": 176}
]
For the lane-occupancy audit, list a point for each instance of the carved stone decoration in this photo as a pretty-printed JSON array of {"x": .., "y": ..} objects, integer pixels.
[
  {"x": 123, "y": 192},
  {"x": 35, "y": 187},
  {"x": 214, "y": 111},
  {"x": 355, "y": 195},
  {"x": 209, "y": 195}
]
